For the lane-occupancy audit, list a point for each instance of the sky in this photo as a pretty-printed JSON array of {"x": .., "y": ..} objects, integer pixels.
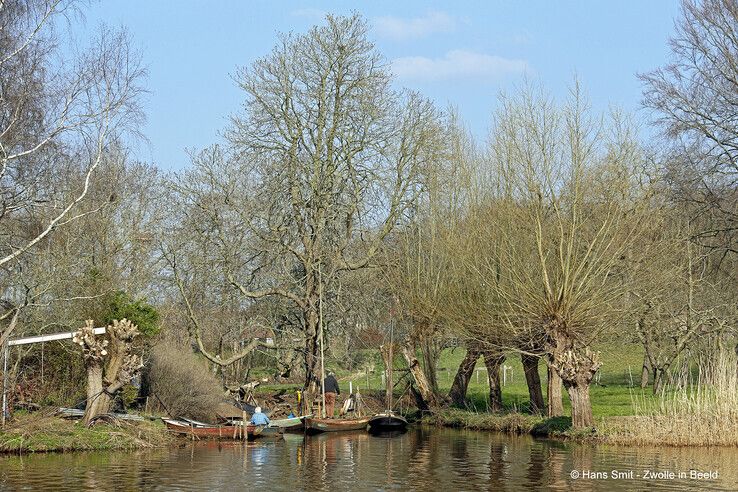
[{"x": 460, "y": 54}]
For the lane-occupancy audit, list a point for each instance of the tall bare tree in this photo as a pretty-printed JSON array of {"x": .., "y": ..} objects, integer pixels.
[
  {"x": 325, "y": 159},
  {"x": 694, "y": 101}
]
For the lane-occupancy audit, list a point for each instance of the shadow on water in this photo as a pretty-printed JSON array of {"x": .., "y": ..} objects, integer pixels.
[{"x": 419, "y": 459}]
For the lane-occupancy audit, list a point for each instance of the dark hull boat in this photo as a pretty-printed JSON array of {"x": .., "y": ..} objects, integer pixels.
[
  {"x": 313, "y": 425},
  {"x": 387, "y": 422}
]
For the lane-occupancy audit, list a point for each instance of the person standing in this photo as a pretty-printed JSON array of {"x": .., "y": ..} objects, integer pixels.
[{"x": 331, "y": 391}]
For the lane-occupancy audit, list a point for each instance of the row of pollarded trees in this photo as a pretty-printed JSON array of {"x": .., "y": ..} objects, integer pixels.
[{"x": 537, "y": 259}]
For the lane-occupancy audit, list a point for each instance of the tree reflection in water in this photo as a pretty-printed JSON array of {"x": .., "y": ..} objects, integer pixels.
[{"x": 421, "y": 459}]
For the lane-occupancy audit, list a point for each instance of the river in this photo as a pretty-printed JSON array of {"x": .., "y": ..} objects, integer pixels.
[{"x": 421, "y": 459}]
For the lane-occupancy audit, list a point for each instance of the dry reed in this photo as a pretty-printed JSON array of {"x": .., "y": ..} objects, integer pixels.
[{"x": 699, "y": 407}]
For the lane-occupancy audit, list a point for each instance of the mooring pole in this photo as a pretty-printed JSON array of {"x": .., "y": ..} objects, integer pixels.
[
  {"x": 320, "y": 327},
  {"x": 5, "y": 383}
]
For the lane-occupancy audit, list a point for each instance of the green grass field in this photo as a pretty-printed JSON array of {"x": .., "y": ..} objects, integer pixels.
[{"x": 612, "y": 393}]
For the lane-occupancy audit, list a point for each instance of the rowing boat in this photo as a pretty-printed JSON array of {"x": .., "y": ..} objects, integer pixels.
[
  {"x": 208, "y": 431},
  {"x": 290, "y": 424},
  {"x": 387, "y": 421},
  {"x": 313, "y": 425}
]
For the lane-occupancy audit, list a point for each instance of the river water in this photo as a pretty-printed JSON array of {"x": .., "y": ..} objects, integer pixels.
[{"x": 421, "y": 459}]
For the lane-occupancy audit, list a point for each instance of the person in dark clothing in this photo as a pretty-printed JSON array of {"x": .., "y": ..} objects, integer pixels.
[{"x": 331, "y": 391}]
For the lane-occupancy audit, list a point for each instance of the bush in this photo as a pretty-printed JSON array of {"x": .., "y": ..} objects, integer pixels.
[
  {"x": 182, "y": 384},
  {"x": 121, "y": 305}
]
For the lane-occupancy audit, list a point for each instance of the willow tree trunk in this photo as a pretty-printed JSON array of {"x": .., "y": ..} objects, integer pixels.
[
  {"x": 658, "y": 378},
  {"x": 581, "y": 407},
  {"x": 493, "y": 361},
  {"x": 533, "y": 379},
  {"x": 430, "y": 363},
  {"x": 422, "y": 385},
  {"x": 457, "y": 393},
  {"x": 96, "y": 400},
  {"x": 555, "y": 407},
  {"x": 577, "y": 367}
]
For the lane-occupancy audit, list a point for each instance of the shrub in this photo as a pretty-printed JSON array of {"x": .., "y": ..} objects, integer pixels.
[
  {"x": 182, "y": 384},
  {"x": 121, "y": 305}
]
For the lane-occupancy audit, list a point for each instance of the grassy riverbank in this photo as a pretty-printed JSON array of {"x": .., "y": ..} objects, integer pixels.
[
  {"x": 612, "y": 393},
  {"x": 700, "y": 413},
  {"x": 36, "y": 432}
]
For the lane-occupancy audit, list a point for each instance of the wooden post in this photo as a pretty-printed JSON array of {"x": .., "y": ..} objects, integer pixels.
[
  {"x": 320, "y": 325},
  {"x": 5, "y": 383}
]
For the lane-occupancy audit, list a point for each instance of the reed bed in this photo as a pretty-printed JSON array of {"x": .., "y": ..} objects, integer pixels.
[{"x": 698, "y": 407}]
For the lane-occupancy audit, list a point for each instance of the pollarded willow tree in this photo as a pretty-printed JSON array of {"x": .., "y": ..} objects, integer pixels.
[
  {"x": 324, "y": 159},
  {"x": 566, "y": 212},
  {"x": 418, "y": 258}
]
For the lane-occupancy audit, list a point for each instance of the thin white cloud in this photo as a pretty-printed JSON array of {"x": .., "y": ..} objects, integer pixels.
[
  {"x": 457, "y": 64},
  {"x": 418, "y": 27}
]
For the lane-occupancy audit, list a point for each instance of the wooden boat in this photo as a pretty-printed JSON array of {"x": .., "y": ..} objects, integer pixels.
[
  {"x": 387, "y": 421},
  {"x": 314, "y": 425},
  {"x": 290, "y": 424},
  {"x": 270, "y": 431},
  {"x": 74, "y": 413},
  {"x": 208, "y": 431}
]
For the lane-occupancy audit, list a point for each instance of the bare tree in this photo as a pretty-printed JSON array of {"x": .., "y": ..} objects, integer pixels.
[
  {"x": 59, "y": 115},
  {"x": 683, "y": 295},
  {"x": 694, "y": 102},
  {"x": 325, "y": 160}
]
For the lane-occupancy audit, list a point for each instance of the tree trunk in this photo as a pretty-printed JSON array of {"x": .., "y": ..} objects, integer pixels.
[
  {"x": 645, "y": 372},
  {"x": 576, "y": 366},
  {"x": 533, "y": 379},
  {"x": 493, "y": 361},
  {"x": 311, "y": 357},
  {"x": 457, "y": 393},
  {"x": 104, "y": 382},
  {"x": 422, "y": 386},
  {"x": 658, "y": 379},
  {"x": 95, "y": 396},
  {"x": 555, "y": 404},
  {"x": 581, "y": 408},
  {"x": 430, "y": 363}
]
